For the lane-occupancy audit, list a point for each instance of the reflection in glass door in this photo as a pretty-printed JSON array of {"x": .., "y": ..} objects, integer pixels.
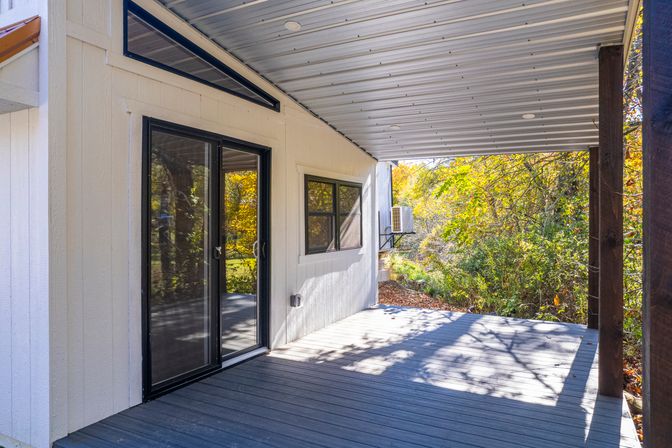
[
  {"x": 181, "y": 272},
  {"x": 239, "y": 227}
]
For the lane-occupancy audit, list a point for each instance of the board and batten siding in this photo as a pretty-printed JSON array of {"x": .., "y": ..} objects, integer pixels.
[
  {"x": 25, "y": 357},
  {"x": 24, "y": 324},
  {"x": 15, "y": 273},
  {"x": 107, "y": 96}
]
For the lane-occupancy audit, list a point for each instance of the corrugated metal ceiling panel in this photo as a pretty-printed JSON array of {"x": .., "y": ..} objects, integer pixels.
[{"x": 410, "y": 78}]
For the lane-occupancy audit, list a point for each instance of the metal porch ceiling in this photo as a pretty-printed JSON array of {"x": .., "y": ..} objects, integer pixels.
[{"x": 413, "y": 79}]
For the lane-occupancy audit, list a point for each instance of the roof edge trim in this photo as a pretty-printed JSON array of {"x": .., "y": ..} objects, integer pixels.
[
  {"x": 18, "y": 36},
  {"x": 630, "y": 20}
]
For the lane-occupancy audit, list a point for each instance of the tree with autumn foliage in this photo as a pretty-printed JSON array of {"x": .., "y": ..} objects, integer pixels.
[
  {"x": 504, "y": 234},
  {"x": 240, "y": 230}
]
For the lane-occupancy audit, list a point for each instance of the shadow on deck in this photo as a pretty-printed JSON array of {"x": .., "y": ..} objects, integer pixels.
[{"x": 393, "y": 377}]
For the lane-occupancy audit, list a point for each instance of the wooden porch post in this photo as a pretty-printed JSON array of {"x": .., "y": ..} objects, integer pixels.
[
  {"x": 657, "y": 132},
  {"x": 593, "y": 239},
  {"x": 611, "y": 221}
]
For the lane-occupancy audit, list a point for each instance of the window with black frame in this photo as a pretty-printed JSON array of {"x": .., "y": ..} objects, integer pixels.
[{"x": 333, "y": 215}]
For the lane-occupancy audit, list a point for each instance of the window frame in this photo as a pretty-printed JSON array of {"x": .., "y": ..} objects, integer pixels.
[
  {"x": 336, "y": 184},
  {"x": 131, "y": 7}
]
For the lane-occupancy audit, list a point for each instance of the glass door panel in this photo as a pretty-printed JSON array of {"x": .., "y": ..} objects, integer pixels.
[
  {"x": 180, "y": 300},
  {"x": 239, "y": 230}
]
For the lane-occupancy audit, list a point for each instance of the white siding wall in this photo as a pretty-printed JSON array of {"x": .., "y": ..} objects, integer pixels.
[
  {"x": 24, "y": 258},
  {"x": 12, "y": 11},
  {"x": 15, "y": 274},
  {"x": 334, "y": 285},
  {"x": 22, "y": 299},
  {"x": 107, "y": 95},
  {"x": 384, "y": 197}
]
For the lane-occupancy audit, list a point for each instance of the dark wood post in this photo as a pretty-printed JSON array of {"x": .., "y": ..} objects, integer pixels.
[
  {"x": 657, "y": 132},
  {"x": 593, "y": 238},
  {"x": 611, "y": 221}
]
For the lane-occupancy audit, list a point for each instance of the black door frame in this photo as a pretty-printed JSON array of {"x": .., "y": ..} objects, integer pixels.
[{"x": 263, "y": 261}]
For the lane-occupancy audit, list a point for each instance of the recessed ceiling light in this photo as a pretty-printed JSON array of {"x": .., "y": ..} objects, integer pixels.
[
  {"x": 293, "y": 26},
  {"x": 529, "y": 116},
  {"x": 394, "y": 127}
]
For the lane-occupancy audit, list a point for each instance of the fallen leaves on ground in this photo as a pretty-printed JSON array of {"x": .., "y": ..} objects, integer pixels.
[
  {"x": 632, "y": 382},
  {"x": 393, "y": 293}
]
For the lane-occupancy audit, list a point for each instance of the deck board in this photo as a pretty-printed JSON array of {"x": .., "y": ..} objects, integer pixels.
[{"x": 393, "y": 377}]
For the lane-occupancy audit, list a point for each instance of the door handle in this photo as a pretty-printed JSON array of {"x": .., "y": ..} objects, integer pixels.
[
  {"x": 217, "y": 252},
  {"x": 255, "y": 249}
]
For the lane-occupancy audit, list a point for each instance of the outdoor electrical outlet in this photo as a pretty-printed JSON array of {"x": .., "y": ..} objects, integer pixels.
[{"x": 296, "y": 301}]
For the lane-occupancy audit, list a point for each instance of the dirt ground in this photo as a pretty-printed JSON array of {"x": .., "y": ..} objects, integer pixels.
[{"x": 393, "y": 293}]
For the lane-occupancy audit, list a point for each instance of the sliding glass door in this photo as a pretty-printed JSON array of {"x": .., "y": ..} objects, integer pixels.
[{"x": 204, "y": 261}]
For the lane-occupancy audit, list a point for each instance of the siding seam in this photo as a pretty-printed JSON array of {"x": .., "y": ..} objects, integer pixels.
[{"x": 11, "y": 280}]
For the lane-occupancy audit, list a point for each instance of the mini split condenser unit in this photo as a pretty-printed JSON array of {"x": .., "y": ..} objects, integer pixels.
[{"x": 402, "y": 219}]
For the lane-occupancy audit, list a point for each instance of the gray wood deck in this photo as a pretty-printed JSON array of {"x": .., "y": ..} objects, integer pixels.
[{"x": 392, "y": 377}]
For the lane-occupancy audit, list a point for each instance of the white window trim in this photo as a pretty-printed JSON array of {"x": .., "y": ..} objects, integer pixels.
[{"x": 339, "y": 255}]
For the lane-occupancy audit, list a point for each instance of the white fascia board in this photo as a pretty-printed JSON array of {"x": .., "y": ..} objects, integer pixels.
[
  {"x": 19, "y": 81},
  {"x": 14, "y": 98}
]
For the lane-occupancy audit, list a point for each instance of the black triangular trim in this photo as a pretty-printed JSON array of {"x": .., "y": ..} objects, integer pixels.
[{"x": 151, "y": 41}]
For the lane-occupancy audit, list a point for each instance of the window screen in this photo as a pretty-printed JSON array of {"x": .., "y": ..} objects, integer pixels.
[
  {"x": 333, "y": 215},
  {"x": 151, "y": 41}
]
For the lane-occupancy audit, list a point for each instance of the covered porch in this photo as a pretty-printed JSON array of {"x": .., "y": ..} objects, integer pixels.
[
  {"x": 535, "y": 77},
  {"x": 392, "y": 376}
]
